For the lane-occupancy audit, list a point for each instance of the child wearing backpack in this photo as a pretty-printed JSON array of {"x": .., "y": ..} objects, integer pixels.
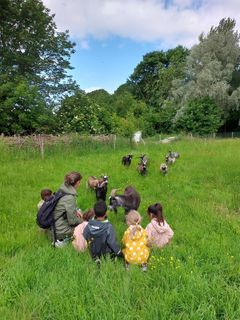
[
  {"x": 158, "y": 231},
  {"x": 100, "y": 235},
  {"x": 79, "y": 242},
  {"x": 135, "y": 241},
  {"x": 45, "y": 195}
]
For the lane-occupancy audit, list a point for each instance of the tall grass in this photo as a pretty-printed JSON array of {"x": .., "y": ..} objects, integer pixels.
[{"x": 196, "y": 277}]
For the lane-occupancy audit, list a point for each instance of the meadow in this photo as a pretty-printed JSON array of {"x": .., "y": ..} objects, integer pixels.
[{"x": 196, "y": 277}]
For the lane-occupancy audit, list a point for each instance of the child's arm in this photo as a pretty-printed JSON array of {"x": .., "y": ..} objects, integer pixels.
[
  {"x": 112, "y": 242},
  {"x": 86, "y": 233},
  {"x": 71, "y": 211}
]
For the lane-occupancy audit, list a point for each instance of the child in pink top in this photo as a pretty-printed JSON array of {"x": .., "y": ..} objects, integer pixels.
[
  {"x": 79, "y": 242},
  {"x": 158, "y": 231}
]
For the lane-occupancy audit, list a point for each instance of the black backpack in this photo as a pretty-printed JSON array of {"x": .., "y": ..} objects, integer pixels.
[{"x": 45, "y": 214}]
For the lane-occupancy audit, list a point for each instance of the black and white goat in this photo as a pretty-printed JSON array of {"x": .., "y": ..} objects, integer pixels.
[
  {"x": 142, "y": 166},
  {"x": 170, "y": 160},
  {"x": 173, "y": 154},
  {"x": 101, "y": 188},
  {"x": 126, "y": 160},
  {"x": 129, "y": 200}
]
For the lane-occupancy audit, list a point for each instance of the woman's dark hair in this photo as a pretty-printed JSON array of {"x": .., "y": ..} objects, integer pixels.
[
  {"x": 157, "y": 210},
  {"x": 71, "y": 178}
]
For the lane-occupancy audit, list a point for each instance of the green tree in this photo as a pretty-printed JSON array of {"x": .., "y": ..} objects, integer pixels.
[
  {"x": 31, "y": 47},
  {"x": 201, "y": 116},
  {"x": 22, "y": 108},
  {"x": 80, "y": 114},
  {"x": 212, "y": 69},
  {"x": 152, "y": 79}
]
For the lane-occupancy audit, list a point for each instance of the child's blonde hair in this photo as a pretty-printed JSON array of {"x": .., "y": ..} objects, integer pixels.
[{"x": 133, "y": 218}]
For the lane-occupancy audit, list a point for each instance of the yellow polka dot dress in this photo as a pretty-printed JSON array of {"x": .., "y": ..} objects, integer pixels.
[{"x": 136, "y": 250}]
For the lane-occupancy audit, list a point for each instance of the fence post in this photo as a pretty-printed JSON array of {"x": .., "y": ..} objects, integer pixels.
[
  {"x": 114, "y": 141},
  {"x": 214, "y": 135},
  {"x": 41, "y": 145},
  {"x": 232, "y": 134}
]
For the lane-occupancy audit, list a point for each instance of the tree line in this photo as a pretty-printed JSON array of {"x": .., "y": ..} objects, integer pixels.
[{"x": 178, "y": 90}]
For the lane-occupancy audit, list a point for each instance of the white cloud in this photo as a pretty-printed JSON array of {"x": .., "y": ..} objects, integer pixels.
[
  {"x": 84, "y": 44},
  {"x": 171, "y": 22}
]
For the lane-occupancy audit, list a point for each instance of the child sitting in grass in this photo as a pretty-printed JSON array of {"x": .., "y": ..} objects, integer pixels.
[
  {"x": 100, "y": 234},
  {"x": 79, "y": 242},
  {"x": 45, "y": 195},
  {"x": 158, "y": 231},
  {"x": 136, "y": 250}
]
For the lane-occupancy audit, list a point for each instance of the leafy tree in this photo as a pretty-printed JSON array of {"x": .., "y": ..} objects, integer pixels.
[
  {"x": 31, "y": 47},
  {"x": 151, "y": 80},
  {"x": 22, "y": 108},
  {"x": 127, "y": 126},
  {"x": 201, "y": 116},
  {"x": 101, "y": 97},
  {"x": 124, "y": 103},
  {"x": 212, "y": 69},
  {"x": 80, "y": 114}
]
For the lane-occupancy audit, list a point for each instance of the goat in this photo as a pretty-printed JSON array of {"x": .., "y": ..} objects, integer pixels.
[
  {"x": 170, "y": 160},
  {"x": 173, "y": 154},
  {"x": 129, "y": 200},
  {"x": 164, "y": 168},
  {"x": 142, "y": 166},
  {"x": 126, "y": 160},
  {"x": 92, "y": 182},
  {"x": 99, "y": 185},
  {"x": 101, "y": 188}
]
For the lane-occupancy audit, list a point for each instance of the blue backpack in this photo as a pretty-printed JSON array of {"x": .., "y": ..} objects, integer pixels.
[{"x": 45, "y": 218}]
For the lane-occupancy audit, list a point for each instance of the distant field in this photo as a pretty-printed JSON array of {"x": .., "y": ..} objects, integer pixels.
[{"x": 196, "y": 277}]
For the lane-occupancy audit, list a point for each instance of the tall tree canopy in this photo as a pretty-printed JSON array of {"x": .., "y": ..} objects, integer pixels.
[
  {"x": 31, "y": 47},
  {"x": 151, "y": 80},
  {"x": 212, "y": 69}
]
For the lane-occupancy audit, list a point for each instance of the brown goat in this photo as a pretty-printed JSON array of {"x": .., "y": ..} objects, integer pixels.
[{"x": 93, "y": 182}]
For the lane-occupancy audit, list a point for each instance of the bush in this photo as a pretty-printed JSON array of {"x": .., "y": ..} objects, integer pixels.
[{"x": 201, "y": 117}]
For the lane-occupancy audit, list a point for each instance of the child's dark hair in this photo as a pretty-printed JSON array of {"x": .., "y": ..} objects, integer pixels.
[
  {"x": 46, "y": 193},
  {"x": 100, "y": 208},
  {"x": 157, "y": 211},
  {"x": 88, "y": 215}
]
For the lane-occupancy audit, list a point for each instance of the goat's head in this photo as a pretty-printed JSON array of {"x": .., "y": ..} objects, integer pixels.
[
  {"x": 163, "y": 168},
  {"x": 142, "y": 168},
  {"x": 114, "y": 202}
]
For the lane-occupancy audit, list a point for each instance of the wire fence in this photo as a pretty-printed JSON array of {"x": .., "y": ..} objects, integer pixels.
[
  {"x": 42, "y": 143},
  {"x": 219, "y": 135}
]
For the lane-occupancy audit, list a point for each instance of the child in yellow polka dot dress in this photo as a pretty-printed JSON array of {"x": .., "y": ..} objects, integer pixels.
[{"x": 134, "y": 240}]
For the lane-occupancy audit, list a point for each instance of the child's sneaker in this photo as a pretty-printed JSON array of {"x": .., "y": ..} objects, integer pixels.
[{"x": 60, "y": 243}]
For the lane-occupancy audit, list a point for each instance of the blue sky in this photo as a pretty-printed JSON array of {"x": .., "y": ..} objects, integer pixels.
[
  {"x": 107, "y": 64},
  {"x": 113, "y": 35}
]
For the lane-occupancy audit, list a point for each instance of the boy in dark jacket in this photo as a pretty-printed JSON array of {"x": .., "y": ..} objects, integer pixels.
[{"x": 100, "y": 234}]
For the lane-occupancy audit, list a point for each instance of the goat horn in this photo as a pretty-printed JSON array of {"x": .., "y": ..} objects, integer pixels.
[{"x": 113, "y": 192}]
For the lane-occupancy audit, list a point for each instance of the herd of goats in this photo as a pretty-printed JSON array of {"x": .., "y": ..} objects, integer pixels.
[{"x": 130, "y": 199}]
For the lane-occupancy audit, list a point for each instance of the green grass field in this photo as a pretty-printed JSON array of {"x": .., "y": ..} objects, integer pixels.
[{"x": 196, "y": 277}]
